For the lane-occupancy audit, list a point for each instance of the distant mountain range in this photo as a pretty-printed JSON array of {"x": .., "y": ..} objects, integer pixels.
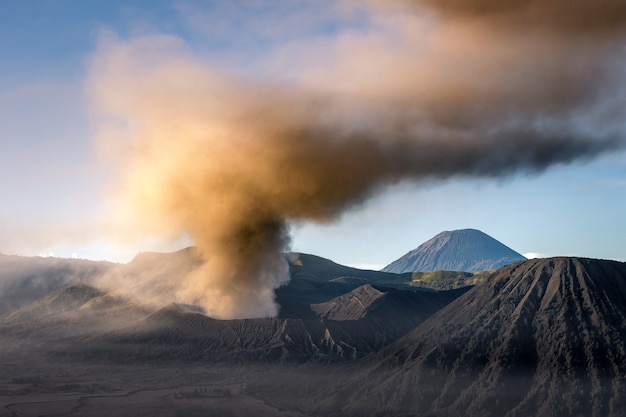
[
  {"x": 541, "y": 337},
  {"x": 467, "y": 250}
]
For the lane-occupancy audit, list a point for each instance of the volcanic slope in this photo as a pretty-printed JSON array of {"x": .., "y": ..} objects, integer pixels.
[
  {"x": 24, "y": 280},
  {"x": 543, "y": 338},
  {"x": 466, "y": 250},
  {"x": 342, "y": 329},
  {"x": 328, "y": 312},
  {"x": 85, "y": 322}
]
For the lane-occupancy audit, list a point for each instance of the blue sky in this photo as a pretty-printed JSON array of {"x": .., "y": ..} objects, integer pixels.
[{"x": 54, "y": 184}]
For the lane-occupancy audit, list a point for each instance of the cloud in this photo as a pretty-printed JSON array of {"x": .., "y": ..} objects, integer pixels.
[
  {"x": 23, "y": 280},
  {"x": 230, "y": 160},
  {"x": 571, "y": 17},
  {"x": 534, "y": 255}
]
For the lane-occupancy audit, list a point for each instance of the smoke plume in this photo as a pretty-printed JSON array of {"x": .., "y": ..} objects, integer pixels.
[{"x": 423, "y": 93}]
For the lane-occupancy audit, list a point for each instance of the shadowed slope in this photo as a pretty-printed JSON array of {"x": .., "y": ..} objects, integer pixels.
[
  {"x": 542, "y": 337},
  {"x": 352, "y": 306},
  {"x": 344, "y": 328},
  {"x": 82, "y": 322}
]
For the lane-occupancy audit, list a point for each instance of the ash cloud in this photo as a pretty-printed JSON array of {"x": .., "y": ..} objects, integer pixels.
[
  {"x": 574, "y": 17},
  {"x": 230, "y": 160}
]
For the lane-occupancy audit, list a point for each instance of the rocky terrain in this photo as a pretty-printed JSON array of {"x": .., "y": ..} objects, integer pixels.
[
  {"x": 541, "y": 337},
  {"x": 346, "y": 321}
]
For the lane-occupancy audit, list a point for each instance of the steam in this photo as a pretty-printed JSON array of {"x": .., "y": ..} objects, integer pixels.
[
  {"x": 23, "y": 280},
  {"x": 230, "y": 160}
]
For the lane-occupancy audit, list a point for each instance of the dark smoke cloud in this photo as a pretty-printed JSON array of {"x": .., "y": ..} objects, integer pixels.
[
  {"x": 575, "y": 17},
  {"x": 231, "y": 161}
]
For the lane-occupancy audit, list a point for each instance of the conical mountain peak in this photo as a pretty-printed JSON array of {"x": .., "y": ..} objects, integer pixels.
[{"x": 468, "y": 250}]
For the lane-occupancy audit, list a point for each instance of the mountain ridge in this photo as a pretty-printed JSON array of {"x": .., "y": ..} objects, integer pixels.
[{"x": 542, "y": 337}]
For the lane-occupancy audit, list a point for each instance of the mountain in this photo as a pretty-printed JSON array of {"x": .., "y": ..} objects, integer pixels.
[
  {"x": 541, "y": 337},
  {"x": 24, "y": 280},
  {"x": 328, "y": 313},
  {"x": 84, "y": 322},
  {"x": 345, "y": 328},
  {"x": 467, "y": 250},
  {"x": 316, "y": 280}
]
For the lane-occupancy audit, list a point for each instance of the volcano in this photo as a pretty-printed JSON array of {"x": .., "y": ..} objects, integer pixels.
[
  {"x": 542, "y": 337},
  {"x": 467, "y": 250}
]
